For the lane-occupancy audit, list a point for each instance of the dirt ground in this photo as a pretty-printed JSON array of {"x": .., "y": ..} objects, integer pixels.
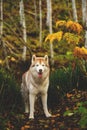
[{"x": 63, "y": 116}]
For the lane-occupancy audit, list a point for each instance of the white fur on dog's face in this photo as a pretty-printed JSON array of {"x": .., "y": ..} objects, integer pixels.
[{"x": 39, "y": 65}]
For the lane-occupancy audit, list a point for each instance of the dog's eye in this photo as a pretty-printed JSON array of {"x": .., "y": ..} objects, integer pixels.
[
  {"x": 43, "y": 65},
  {"x": 37, "y": 65},
  {"x": 33, "y": 65}
]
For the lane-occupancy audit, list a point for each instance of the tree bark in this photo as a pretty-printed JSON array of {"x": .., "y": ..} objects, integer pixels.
[
  {"x": 35, "y": 7},
  {"x": 48, "y": 15},
  {"x": 74, "y": 11},
  {"x": 50, "y": 30},
  {"x": 23, "y": 24},
  {"x": 84, "y": 11},
  {"x": 1, "y": 25},
  {"x": 86, "y": 28},
  {"x": 40, "y": 9},
  {"x": 1, "y": 35}
]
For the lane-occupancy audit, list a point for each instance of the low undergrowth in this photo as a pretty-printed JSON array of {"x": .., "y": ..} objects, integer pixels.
[
  {"x": 10, "y": 97},
  {"x": 62, "y": 81}
]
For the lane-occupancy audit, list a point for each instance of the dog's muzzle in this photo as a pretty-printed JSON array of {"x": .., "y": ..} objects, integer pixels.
[{"x": 40, "y": 73}]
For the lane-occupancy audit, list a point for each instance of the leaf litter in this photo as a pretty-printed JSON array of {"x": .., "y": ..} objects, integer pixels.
[{"x": 63, "y": 116}]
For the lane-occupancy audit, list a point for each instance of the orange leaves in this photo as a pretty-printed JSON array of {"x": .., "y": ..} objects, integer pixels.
[
  {"x": 54, "y": 36},
  {"x": 69, "y": 95},
  {"x": 74, "y": 26},
  {"x": 26, "y": 127},
  {"x": 71, "y": 25},
  {"x": 68, "y": 30},
  {"x": 80, "y": 52}
]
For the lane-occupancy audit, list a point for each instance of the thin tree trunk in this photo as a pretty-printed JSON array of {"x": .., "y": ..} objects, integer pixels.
[
  {"x": 35, "y": 7},
  {"x": 86, "y": 28},
  {"x": 84, "y": 11},
  {"x": 1, "y": 26},
  {"x": 40, "y": 9},
  {"x": 68, "y": 6},
  {"x": 74, "y": 11},
  {"x": 1, "y": 35},
  {"x": 48, "y": 15},
  {"x": 23, "y": 24},
  {"x": 50, "y": 30}
]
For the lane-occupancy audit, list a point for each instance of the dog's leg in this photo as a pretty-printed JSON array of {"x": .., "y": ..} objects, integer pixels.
[
  {"x": 32, "y": 101},
  {"x": 27, "y": 106},
  {"x": 44, "y": 102},
  {"x": 25, "y": 96}
]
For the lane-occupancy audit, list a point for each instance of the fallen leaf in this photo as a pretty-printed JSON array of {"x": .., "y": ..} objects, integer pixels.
[
  {"x": 22, "y": 128},
  {"x": 26, "y": 126},
  {"x": 57, "y": 115},
  {"x": 69, "y": 95}
]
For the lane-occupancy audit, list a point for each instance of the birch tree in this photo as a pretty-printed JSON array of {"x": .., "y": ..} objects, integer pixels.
[
  {"x": 23, "y": 24},
  {"x": 49, "y": 23},
  {"x": 1, "y": 34},
  {"x": 84, "y": 11},
  {"x": 1, "y": 17},
  {"x": 35, "y": 7},
  {"x": 40, "y": 9},
  {"x": 74, "y": 11},
  {"x": 48, "y": 7},
  {"x": 86, "y": 27},
  {"x": 84, "y": 18}
]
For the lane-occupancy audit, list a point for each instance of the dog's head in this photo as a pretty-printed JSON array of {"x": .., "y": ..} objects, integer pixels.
[{"x": 40, "y": 65}]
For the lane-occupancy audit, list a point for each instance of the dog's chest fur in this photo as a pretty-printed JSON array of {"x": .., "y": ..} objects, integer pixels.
[{"x": 35, "y": 84}]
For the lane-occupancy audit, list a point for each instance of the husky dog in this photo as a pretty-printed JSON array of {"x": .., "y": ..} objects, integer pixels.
[{"x": 34, "y": 81}]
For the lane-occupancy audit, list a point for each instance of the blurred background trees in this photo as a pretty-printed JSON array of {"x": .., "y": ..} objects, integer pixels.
[
  {"x": 21, "y": 20},
  {"x": 57, "y": 28}
]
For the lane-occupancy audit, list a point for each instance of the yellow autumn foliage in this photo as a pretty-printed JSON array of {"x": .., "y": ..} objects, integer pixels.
[
  {"x": 80, "y": 52},
  {"x": 71, "y": 25},
  {"x": 1, "y": 62},
  {"x": 13, "y": 59},
  {"x": 74, "y": 26},
  {"x": 70, "y": 32},
  {"x": 54, "y": 36},
  {"x": 72, "y": 38},
  {"x": 60, "y": 23}
]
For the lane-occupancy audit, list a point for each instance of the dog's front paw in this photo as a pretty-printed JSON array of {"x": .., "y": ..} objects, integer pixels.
[
  {"x": 31, "y": 117},
  {"x": 48, "y": 115}
]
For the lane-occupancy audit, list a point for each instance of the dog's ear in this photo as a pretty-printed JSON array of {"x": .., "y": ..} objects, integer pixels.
[
  {"x": 33, "y": 58},
  {"x": 46, "y": 58}
]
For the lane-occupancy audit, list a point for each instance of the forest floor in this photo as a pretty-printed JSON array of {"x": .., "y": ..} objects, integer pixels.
[{"x": 58, "y": 121}]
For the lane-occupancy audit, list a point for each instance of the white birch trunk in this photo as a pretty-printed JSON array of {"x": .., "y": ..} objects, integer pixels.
[
  {"x": 40, "y": 9},
  {"x": 50, "y": 30},
  {"x": 84, "y": 11},
  {"x": 48, "y": 15},
  {"x": 86, "y": 28},
  {"x": 1, "y": 25},
  {"x": 35, "y": 7},
  {"x": 1, "y": 34},
  {"x": 74, "y": 11},
  {"x": 23, "y": 24}
]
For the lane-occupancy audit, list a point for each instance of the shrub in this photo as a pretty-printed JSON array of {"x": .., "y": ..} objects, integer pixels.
[
  {"x": 10, "y": 97},
  {"x": 80, "y": 74},
  {"x": 60, "y": 83},
  {"x": 65, "y": 79}
]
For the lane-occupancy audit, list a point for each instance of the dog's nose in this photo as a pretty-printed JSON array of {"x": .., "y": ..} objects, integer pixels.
[{"x": 40, "y": 70}]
